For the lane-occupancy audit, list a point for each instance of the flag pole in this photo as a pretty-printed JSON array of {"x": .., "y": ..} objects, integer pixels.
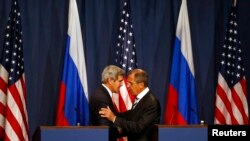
[{"x": 235, "y": 2}]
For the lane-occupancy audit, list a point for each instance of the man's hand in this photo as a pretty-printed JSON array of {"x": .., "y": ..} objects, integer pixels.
[{"x": 107, "y": 113}]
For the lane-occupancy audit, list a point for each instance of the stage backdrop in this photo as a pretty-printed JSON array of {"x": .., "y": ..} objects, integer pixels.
[{"x": 44, "y": 24}]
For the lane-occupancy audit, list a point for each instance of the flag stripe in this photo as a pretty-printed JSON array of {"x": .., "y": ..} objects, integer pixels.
[
  {"x": 231, "y": 105},
  {"x": 125, "y": 56},
  {"x": 171, "y": 117},
  {"x": 2, "y": 120},
  {"x": 226, "y": 98},
  {"x": 11, "y": 132},
  {"x": 125, "y": 99},
  {"x": 76, "y": 46},
  {"x": 74, "y": 92},
  {"x": 18, "y": 95},
  {"x": 181, "y": 100},
  {"x": 16, "y": 110},
  {"x": 3, "y": 74},
  {"x": 73, "y": 96},
  {"x": 237, "y": 105},
  {"x": 61, "y": 119},
  {"x": 14, "y": 117},
  {"x": 220, "y": 118},
  {"x": 13, "y": 121},
  {"x": 2, "y": 98}
]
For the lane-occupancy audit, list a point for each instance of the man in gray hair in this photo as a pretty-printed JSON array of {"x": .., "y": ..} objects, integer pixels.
[
  {"x": 138, "y": 123},
  {"x": 112, "y": 79}
]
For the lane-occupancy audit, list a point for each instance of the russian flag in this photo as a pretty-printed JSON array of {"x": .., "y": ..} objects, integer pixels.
[
  {"x": 181, "y": 107},
  {"x": 73, "y": 106}
]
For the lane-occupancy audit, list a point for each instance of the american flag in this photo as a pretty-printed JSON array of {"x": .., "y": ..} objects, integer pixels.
[
  {"x": 13, "y": 113},
  {"x": 231, "y": 95},
  {"x": 125, "y": 55}
]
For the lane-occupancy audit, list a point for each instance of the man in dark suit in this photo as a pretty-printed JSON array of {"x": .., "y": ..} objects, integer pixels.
[
  {"x": 112, "y": 78},
  {"x": 138, "y": 122}
]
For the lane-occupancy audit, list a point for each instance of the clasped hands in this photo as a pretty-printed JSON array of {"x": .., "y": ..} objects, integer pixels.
[{"x": 107, "y": 113}]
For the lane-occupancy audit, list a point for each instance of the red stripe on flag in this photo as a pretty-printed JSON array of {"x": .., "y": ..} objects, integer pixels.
[
  {"x": 180, "y": 119},
  {"x": 3, "y": 88},
  {"x": 172, "y": 106},
  {"x": 6, "y": 138},
  {"x": 2, "y": 109},
  {"x": 60, "y": 118},
  {"x": 122, "y": 105},
  {"x": 172, "y": 115},
  {"x": 15, "y": 120},
  {"x": 243, "y": 84},
  {"x": 244, "y": 89},
  {"x": 238, "y": 103},
  {"x": 231, "y": 88},
  {"x": 14, "y": 123},
  {"x": 223, "y": 96},
  {"x": 1, "y": 132},
  {"x": 16, "y": 95},
  {"x": 219, "y": 116}
]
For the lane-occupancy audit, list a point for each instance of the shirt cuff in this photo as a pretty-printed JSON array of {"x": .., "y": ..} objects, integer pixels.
[{"x": 114, "y": 119}]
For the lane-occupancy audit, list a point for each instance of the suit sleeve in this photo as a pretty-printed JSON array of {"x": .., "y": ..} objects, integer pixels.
[
  {"x": 147, "y": 118},
  {"x": 96, "y": 102}
]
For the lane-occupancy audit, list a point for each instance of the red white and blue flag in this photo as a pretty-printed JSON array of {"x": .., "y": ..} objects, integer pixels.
[
  {"x": 125, "y": 58},
  {"x": 73, "y": 108},
  {"x": 181, "y": 107},
  {"x": 231, "y": 105},
  {"x": 125, "y": 55},
  {"x": 13, "y": 112}
]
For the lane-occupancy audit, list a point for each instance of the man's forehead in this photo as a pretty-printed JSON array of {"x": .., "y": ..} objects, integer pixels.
[
  {"x": 120, "y": 77},
  {"x": 130, "y": 77}
]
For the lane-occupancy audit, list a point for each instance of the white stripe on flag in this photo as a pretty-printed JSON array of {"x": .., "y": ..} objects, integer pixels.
[
  {"x": 3, "y": 73},
  {"x": 221, "y": 106},
  {"x": 11, "y": 134},
  {"x": 15, "y": 110},
  {"x": 185, "y": 36},
  {"x": 76, "y": 44},
  {"x": 125, "y": 96}
]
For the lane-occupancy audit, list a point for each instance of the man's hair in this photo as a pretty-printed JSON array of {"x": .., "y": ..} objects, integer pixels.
[
  {"x": 111, "y": 72},
  {"x": 140, "y": 76}
]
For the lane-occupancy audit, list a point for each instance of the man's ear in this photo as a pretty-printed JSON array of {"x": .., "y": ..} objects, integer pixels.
[
  {"x": 110, "y": 80},
  {"x": 141, "y": 85}
]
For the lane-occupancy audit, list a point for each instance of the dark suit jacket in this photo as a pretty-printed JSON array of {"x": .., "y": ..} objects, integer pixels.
[
  {"x": 98, "y": 99},
  {"x": 138, "y": 123}
]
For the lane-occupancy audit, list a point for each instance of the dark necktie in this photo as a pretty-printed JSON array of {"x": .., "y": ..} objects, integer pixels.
[{"x": 135, "y": 103}]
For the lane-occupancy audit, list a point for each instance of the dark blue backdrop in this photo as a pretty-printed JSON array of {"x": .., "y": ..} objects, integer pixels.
[{"x": 44, "y": 25}]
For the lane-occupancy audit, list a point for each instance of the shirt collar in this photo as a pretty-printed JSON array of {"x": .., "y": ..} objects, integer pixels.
[{"x": 142, "y": 94}]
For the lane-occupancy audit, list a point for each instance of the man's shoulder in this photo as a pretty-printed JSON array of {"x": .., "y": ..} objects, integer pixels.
[
  {"x": 99, "y": 92},
  {"x": 151, "y": 95}
]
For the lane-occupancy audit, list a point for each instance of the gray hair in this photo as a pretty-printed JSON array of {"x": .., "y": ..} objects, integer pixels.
[
  {"x": 140, "y": 76},
  {"x": 111, "y": 71}
]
